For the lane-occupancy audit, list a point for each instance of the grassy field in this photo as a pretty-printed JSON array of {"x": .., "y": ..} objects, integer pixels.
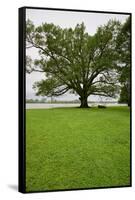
[{"x": 69, "y": 148}]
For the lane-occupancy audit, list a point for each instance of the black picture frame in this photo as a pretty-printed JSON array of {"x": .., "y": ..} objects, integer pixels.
[{"x": 22, "y": 98}]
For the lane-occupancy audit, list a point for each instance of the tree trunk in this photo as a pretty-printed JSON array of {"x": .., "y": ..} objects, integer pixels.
[
  {"x": 129, "y": 101},
  {"x": 129, "y": 95},
  {"x": 84, "y": 103}
]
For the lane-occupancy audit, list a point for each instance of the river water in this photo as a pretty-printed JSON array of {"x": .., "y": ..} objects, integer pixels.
[{"x": 60, "y": 105}]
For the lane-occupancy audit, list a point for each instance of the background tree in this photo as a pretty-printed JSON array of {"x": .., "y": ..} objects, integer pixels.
[
  {"x": 124, "y": 69},
  {"x": 72, "y": 60},
  {"x": 123, "y": 95}
]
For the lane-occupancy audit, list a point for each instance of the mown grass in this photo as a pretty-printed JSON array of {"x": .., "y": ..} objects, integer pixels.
[{"x": 69, "y": 148}]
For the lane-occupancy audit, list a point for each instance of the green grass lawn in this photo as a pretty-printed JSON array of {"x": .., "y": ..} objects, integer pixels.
[{"x": 68, "y": 148}]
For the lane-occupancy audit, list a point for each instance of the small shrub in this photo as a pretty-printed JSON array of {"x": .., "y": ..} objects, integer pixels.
[{"x": 101, "y": 106}]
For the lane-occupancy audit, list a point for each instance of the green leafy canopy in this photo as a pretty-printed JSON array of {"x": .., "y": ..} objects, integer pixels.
[{"x": 73, "y": 60}]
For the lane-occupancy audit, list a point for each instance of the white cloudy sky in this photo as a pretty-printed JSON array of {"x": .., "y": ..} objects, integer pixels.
[{"x": 64, "y": 19}]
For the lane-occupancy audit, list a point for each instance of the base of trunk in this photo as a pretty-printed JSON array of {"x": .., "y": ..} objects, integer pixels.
[
  {"x": 84, "y": 103},
  {"x": 86, "y": 106}
]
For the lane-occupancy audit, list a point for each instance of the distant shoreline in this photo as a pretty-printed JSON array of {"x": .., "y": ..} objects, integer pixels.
[
  {"x": 59, "y": 105},
  {"x": 70, "y": 102}
]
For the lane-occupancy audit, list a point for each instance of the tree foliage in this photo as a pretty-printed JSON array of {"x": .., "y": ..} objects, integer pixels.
[
  {"x": 72, "y": 60},
  {"x": 124, "y": 52}
]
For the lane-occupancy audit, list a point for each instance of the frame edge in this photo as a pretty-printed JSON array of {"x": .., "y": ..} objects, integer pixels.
[{"x": 21, "y": 101}]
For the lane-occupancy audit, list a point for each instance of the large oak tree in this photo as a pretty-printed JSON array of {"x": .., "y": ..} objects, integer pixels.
[{"x": 73, "y": 60}]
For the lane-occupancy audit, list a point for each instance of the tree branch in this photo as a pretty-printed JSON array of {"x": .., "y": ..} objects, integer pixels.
[
  {"x": 60, "y": 92},
  {"x": 36, "y": 70},
  {"x": 105, "y": 82},
  {"x": 101, "y": 94}
]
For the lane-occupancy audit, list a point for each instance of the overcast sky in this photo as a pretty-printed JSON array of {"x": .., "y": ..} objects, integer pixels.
[{"x": 64, "y": 19}]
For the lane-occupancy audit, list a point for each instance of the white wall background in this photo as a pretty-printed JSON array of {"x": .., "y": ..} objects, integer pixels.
[{"x": 9, "y": 99}]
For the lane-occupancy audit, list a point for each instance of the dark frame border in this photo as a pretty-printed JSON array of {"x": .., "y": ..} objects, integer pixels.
[
  {"x": 21, "y": 92},
  {"x": 22, "y": 104}
]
